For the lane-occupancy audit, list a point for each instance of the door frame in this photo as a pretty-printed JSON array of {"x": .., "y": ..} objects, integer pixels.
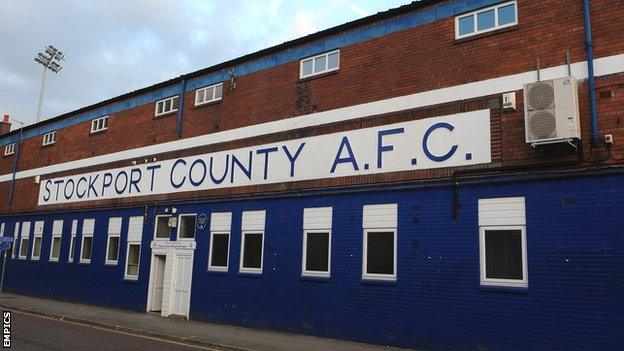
[{"x": 151, "y": 287}]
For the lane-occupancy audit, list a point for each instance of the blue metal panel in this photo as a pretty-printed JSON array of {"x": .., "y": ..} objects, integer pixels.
[{"x": 418, "y": 18}]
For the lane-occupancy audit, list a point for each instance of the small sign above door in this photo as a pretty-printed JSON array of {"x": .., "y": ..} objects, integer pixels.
[{"x": 182, "y": 244}]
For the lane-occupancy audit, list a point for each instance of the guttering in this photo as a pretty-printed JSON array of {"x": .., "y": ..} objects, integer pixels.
[
  {"x": 181, "y": 107},
  {"x": 589, "y": 51}
]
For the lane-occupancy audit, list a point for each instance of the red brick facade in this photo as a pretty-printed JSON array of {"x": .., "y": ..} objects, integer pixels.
[{"x": 415, "y": 60}]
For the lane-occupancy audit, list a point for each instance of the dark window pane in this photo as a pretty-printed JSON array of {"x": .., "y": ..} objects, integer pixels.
[
  {"x": 220, "y": 250},
  {"x": 134, "y": 252},
  {"x": 503, "y": 254},
  {"x": 466, "y": 25},
  {"x": 506, "y": 14},
  {"x": 176, "y": 103},
  {"x": 380, "y": 253},
  {"x": 86, "y": 248},
  {"x": 113, "y": 248},
  {"x": 187, "y": 227},
  {"x": 162, "y": 228},
  {"x": 56, "y": 247},
  {"x": 317, "y": 252},
  {"x": 37, "y": 247},
  {"x": 252, "y": 250},
  {"x": 485, "y": 20}
]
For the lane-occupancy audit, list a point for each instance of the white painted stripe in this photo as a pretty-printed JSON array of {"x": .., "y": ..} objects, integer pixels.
[{"x": 602, "y": 66}]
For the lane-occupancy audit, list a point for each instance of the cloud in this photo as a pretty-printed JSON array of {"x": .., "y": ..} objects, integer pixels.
[{"x": 117, "y": 46}]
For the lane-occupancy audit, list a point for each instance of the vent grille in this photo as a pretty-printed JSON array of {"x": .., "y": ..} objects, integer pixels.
[
  {"x": 543, "y": 125},
  {"x": 541, "y": 96}
]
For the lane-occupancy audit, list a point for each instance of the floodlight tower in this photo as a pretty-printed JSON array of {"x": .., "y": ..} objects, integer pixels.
[{"x": 49, "y": 59}]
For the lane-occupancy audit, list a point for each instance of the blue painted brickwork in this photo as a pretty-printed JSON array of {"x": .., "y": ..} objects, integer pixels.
[
  {"x": 415, "y": 19},
  {"x": 575, "y": 299}
]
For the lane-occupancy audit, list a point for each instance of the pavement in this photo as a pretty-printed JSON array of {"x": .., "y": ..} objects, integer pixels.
[{"x": 153, "y": 326}]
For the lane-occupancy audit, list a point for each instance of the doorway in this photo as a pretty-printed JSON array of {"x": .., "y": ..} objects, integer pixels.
[
  {"x": 158, "y": 283},
  {"x": 182, "y": 285}
]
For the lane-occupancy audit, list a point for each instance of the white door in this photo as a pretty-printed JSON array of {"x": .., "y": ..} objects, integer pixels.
[
  {"x": 158, "y": 282},
  {"x": 182, "y": 285}
]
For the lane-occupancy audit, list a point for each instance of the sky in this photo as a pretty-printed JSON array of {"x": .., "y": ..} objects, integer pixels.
[{"x": 116, "y": 46}]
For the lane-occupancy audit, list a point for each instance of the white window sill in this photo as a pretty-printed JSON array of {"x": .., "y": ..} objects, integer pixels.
[
  {"x": 505, "y": 283},
  {"x": 84, "y": 261},
  {"x": 131, "y": 277},
  {"x": 217, "y": 269},
  {"x": 313, "y": 274},
  {"x": 380, "y": 277},
  {"x": 257, "y": 271}
]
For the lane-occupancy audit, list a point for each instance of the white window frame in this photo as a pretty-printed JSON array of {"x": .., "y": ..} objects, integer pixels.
[
  {"x": 131, "y": 240},
  {"x": 113, "y": 233},
  {"x": 180, "y": 226},
  {"x": 252, "y": 228},
  {"x": 16, "y": 232},
  {"x": 99, "y": 124},
  {"x": 376, "y": 224},
  {"x": 314, "y": 58},
  {"x": 22, "y": 238},
  {"x": 71, "y": 256},
  {"x": 82, "y": 239},
  {"x": 222, "y": 228},
  {"x": 214, "y": 97},
  {"x": 377, "y": 276},
  {"x": 156, "y": 227},
  {"x": 37, "y": 234},
  {"x": 49, "y": 138},
  {"x": 518, "y": 283},
  {"x": 56, "y": 233},
  {"x": 324, "y": 227},
  {"x": 164, "y": 101},
  {"x": 9, "y": 149},
  {"x": 485, "y": 9}
]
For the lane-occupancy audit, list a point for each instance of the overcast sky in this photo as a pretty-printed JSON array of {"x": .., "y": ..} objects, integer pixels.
[{"x": 116, "y": 46}]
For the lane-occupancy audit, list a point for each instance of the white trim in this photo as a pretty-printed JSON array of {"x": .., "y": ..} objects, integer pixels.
[
  {"x": 57, "y": 232},
  {"x": 304, "y": 271},
  {"x": 242, "y": 269},
  {"x": 164, "y": 102},
  {"x": 114, "y": 231},
  {"x": 25, "y": 230},
  {"x": 16, "y": 232},
  {"x": 37, "y": 235},
  {"x": 156, "y": 228},
  {"x": 227, "y": 263},
  {"x": 9, "y": 149},
  {"x": 313, "y": 60},
  {"x": 316, "y": 220},
  {"x": 49, "y": 138},
  {"x": 474, "y": 14},
  {"x": 519, "y": 283},
  {"x": 99, "y": 124},
  {"x": 214, "y": 94},
  {"x": 377, "y": 276},
  {"x": 603, "y": 66},
  {"x": 180, "y": 225},
  {"x": 88, "y": 227},
  {"x": 71, "y": 255},
  {"x": 129, "y": 276}
]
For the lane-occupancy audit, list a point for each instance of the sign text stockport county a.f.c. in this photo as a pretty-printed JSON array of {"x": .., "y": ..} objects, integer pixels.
[{"x": 448, "y": 141}]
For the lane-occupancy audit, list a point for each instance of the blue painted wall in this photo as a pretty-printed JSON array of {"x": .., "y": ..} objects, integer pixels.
[{"x": 575, "y": 299}]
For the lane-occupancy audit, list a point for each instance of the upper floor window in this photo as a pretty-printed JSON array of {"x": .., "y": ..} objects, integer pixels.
[
  {"x": 319, "y": 64},
  {"x": 49, "y": 138},
  {"x": 208, "y": 94},
  {"x": 9, "y": 149},
  {"x": 99, "y": 124},
  {"x": 167, "y": 105},
  {"x": 380, "y": 242},
  {"x": 486, "y": 19}
]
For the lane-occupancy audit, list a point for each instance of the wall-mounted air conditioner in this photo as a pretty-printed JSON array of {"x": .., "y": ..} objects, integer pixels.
[{"x": 551, "y": 112}]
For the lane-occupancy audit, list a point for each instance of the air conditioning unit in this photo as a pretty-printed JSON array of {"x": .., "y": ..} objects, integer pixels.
[{"x": 551, "y": 112}]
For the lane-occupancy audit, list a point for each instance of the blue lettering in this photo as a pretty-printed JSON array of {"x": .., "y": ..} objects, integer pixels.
[
  {"x": 47, "y": 189},
  {"x": 246, "y": 171},
  {"x": 135, "y": 181},
  {"x": 425, "y": 141},
  {"x": 92, "y": 186},
  {"x": 58, "y": 184},
  {"x": 125, "y": 182},
  {"x": 107, "y": 180},
  {"x": 81, "y": 195},
  {"x": 153, "y": 169},
  {"x": 381, "y": 148},
  {"x": 201, "y": 162},
  {"x": 175, "y": 164},
  {"x": 73, "y": 187},
  {"x": 292, "y": 158},
  {"x": 349, "y": 159},
  {"x": 225, "y": 170},
  {"x": 266, "y": 153}
]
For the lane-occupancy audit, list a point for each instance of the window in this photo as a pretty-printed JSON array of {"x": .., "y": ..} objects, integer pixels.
[
  {"x": 9, "y": 149},
  {"x": 99, "y": 124},
  {"x": 167, "y": 105},
  {"x": 252, "y": 241},
  {"x": 486, "y": 20},
  {"x": 74, "y": 230},
  {"x": 133, "y": 252},
  {"x": 380, "y": 242},
  {"x": 186, "y": 226},
  {"x": 87, "y": 240},
  {"x": 502, "y": 242},
  {"x": 162, "y": 230},
  {"x": 317, "y": 224},
  {"x": 37, "y": 238},
  {"x": 320, "y": 64},
  {"x": 15, "y": 235},
  {"x": 49, "y": 138},
  {"x": 220, "y": 228},
  {"x": 24, "y": 239},
  {"x": 112, "y": 245},
  {"x": 208, "y": 94},
  {"x": 55, "y": 243}
]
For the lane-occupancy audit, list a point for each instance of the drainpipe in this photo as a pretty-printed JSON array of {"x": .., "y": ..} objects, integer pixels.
[
  {"x": 589, "y": 49},
  {"x": 15, "y": 160},
  {"x": 181, "y": 107}
]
